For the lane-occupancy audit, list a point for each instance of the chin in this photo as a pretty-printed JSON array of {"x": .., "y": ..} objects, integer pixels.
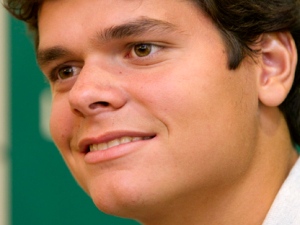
[
  {"x": 121, "y": 197},
  {"x": 125, "y": 204}
]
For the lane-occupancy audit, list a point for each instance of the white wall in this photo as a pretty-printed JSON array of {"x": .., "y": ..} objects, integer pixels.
[{"x": 4, "y": 120}]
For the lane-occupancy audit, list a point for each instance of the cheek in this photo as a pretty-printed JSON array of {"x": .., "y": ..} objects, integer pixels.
[
  {"x": 207, "y": 116},
  {"x": 62, "y": 129},
  {"x": 61, "y": 123}
]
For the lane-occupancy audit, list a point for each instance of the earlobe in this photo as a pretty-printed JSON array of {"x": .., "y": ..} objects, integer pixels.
[{"x": 278, "y": 64}]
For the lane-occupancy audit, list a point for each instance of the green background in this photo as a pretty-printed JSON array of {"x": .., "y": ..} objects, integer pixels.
[{"x": 43, "y": 190}]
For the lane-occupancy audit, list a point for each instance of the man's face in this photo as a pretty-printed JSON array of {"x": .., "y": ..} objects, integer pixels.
[{"x": 145, "y": 112}]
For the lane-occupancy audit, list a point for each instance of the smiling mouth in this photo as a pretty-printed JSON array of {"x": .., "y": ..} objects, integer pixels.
[{"x": 116, "y": 142}]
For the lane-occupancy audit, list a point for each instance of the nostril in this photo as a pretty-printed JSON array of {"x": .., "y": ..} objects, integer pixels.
[
  {"x": 97, "y": 104},
  {"x": 103, "y": 103}
]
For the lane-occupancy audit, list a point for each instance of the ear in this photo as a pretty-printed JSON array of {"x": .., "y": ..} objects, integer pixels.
[{"x": 279, "y": 60}]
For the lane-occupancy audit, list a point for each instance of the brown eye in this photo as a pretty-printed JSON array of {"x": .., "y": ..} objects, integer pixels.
[
  {"x": 67, "y": 72},
  {"x": 143, "y": 50}
]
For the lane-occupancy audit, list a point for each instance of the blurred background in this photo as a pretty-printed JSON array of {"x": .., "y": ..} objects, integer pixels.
[{"x": 36, "y": 188}]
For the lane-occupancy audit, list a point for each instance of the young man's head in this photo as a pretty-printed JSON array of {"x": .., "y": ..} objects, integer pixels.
[
  {"x": 240, "y": 23},
  {"x": 172, "y": 112}
]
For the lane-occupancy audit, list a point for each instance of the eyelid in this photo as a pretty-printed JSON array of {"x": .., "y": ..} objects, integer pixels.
[
  {"x": 53, "y": 74},
  {"x": 51, "y": 71},
  {"x": 130, "y": 47}
]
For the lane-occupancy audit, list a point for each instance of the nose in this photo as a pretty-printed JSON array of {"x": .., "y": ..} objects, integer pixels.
[{"x": 95, "y": 92}]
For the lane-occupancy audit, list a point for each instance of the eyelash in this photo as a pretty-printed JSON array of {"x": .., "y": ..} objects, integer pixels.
[
  {"x": 54, "y": 73},
  {"x": 132, "y": 47}
]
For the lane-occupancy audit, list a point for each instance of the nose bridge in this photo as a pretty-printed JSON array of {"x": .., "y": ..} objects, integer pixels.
[{"x": 94, "y": 91}]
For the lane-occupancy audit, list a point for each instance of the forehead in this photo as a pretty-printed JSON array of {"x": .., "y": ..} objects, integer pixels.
[
  {"x": 110, "y": 12},
  {"x": 64, "y": 22},
  {"x": 115, "y": 7}
]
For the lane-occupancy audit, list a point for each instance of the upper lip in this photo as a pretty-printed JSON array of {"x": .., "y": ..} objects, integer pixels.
[{"x": 109, "y": 136}]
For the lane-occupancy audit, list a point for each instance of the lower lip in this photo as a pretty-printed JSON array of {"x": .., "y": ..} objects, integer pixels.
[{"x": 114, "y": 152}]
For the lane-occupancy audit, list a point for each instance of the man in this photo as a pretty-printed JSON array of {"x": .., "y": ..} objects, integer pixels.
[{"x": 175, "y": 112}]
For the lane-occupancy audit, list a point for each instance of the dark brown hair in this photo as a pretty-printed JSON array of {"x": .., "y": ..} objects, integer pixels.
[{"x": 240, "y": 22}]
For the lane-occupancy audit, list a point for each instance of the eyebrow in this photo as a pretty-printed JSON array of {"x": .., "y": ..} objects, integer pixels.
[
  {"x": 51, "y": 54},
  {"x": 133, "y": 28}
]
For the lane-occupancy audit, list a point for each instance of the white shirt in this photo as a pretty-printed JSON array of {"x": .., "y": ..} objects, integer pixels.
[{"x": 285, "y": 209}]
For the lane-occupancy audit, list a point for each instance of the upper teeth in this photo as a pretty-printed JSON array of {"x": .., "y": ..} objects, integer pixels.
[{"x": 115, "y": 142}]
